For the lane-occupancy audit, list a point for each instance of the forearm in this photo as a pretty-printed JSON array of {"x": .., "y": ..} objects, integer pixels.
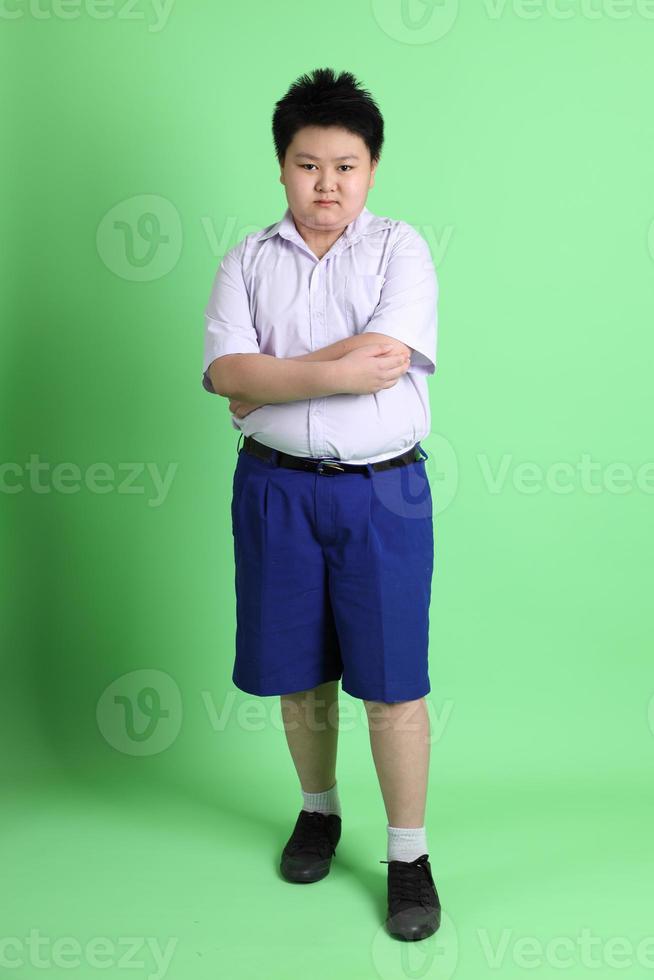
[
  {"x": 341, "y": 347},
  {"x": 330, "y": 353},
  {"x": 264, "y": 379}
]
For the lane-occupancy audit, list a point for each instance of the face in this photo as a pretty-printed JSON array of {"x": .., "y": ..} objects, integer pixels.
[{"x": 326, "y": 163}]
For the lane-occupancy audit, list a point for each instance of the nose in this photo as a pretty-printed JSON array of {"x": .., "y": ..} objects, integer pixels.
[{"x": 325, "y": 185}]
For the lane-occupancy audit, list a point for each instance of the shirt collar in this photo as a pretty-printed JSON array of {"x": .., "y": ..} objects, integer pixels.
[{"x": 365, "y": 223}]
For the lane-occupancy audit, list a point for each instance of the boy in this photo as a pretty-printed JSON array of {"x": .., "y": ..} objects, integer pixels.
[{"x": 321, "y": 329}]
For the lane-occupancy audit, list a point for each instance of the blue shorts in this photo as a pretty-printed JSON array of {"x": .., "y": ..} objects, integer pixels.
[{"x": 333, "y": 579}]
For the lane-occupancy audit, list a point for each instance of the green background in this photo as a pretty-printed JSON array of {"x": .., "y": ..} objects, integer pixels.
[{"x": 519, "y": 142}]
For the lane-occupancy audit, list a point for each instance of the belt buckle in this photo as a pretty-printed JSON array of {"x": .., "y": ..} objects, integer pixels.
[{"x": 325, "y": 472}]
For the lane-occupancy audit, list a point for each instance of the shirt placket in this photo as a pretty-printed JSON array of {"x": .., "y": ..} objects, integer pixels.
[{"x": 317, "y": 326}]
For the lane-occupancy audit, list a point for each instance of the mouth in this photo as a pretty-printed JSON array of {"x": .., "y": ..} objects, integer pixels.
[{"x": 324, "y": 203}]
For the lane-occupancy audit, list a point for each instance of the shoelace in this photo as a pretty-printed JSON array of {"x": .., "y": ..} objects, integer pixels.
[
  {"x": 311, "y": 836},
  {"x": 412, "y": 882}
]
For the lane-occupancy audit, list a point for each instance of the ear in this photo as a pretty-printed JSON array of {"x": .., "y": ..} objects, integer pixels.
[{"x": 373, "y": 168}]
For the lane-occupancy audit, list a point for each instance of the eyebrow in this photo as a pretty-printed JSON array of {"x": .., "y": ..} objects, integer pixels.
[{"x": 310, "y": 156}]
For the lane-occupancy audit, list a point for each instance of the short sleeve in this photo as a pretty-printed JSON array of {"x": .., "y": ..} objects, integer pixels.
[
  {"x": 228, "y": 321},
  {"x": 407, "y": 307}
]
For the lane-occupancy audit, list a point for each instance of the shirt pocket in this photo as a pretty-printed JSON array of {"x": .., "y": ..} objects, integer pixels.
[{"x": 362, "y": 294}]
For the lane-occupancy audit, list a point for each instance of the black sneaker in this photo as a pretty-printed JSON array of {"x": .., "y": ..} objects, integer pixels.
[
  {"x": 307, "y": 854},
  {"x": 414, "y": 908}
]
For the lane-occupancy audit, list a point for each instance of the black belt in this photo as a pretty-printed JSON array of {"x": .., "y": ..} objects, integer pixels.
[{"x": 327, "y": 467}]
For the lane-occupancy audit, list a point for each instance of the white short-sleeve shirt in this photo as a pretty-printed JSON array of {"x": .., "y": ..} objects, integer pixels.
[{"x": 272, "y": 295}]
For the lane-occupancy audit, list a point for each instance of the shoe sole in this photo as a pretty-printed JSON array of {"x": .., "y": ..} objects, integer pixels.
[
  {"x": 424, "y": 934},
  {"x": 303, "y": 879},
  {"x": 415, "y": 934}
]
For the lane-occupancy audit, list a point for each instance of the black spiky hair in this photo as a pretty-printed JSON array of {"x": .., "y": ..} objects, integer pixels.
[{"x": 323, "y": 98}]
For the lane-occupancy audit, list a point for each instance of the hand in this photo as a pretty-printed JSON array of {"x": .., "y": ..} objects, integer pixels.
[
  {"x": 368, "y": 369},
  {"x": 241, "y": 409}
]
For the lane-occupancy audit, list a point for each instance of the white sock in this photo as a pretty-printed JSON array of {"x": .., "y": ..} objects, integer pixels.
[
  {"x": 405, "y": 843},
  {"x": 325, "y": 802}
]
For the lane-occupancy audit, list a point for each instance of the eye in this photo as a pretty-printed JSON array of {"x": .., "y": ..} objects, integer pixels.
[{"x": 348, "y": 165}]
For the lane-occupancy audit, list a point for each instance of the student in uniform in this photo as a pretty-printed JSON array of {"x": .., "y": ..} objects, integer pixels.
[{"x": 321, "y": 331}]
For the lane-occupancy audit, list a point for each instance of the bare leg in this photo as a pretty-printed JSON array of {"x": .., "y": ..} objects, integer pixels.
[
  {"x": 399, "y": 739},
  {"x": 311, "y": 725}
]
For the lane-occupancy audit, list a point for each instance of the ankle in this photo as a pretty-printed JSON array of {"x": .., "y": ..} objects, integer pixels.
[
  {"x": 405, "y": 843},
  {"x": 326, "y": 801}
]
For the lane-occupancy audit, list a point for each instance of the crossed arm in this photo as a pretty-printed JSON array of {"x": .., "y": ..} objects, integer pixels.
[{"x": 332, "y": 352}]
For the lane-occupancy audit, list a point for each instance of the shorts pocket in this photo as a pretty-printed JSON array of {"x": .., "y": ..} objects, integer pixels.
[{"x": 239, "y": 483}]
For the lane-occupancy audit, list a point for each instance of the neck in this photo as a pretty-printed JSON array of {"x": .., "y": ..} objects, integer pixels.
[{"x": 319, "y": 240}]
